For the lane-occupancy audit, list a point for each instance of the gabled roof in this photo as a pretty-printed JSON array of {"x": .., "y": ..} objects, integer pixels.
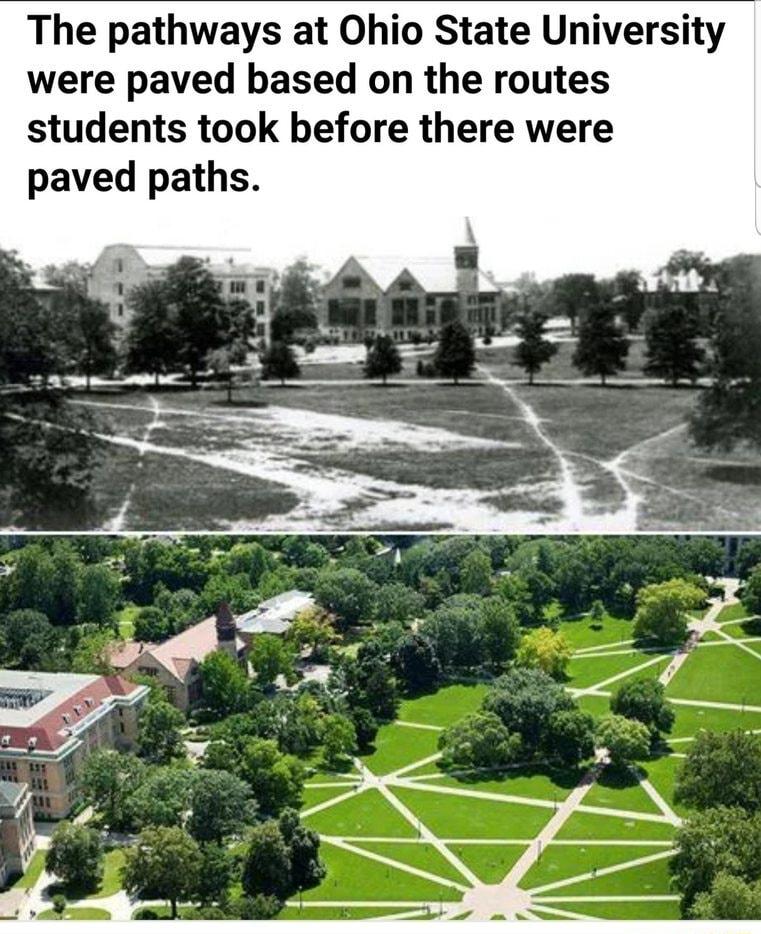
[
  {"x": 433, "y": 274},
  {"x": 11, "y": 793},
  {"x": 276, "y": 614}
]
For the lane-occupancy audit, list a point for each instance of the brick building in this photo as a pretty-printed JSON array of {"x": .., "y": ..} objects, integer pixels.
[
  {"x": 17, "y": 837},
  {"x": 405, "y": 297},
  {"x": 50, "y": 722},
  {"x": 121, "y": 267},
  {"x": 175, "y": 662}
]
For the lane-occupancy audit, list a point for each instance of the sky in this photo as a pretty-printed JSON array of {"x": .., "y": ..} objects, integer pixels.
[{"x": 679, "y": 172}]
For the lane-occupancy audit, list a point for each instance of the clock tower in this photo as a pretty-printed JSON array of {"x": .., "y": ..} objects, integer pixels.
[{"x": 466, "y": 264}]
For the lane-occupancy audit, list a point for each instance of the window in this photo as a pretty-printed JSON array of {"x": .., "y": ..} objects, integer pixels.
[
  {"x": 343, "y": 312},
  {"x": 237, "y": 287},
  {"x": 119, "y": 265},
  {"x": 260, "y": 308},
  {"x": 260, "y": 330},
  {"x": 430, "y": 314},
  {"x": 120, "y": 288},
  {"x": 411, "y": 311},
  {"x": 371, "y": 308},
  {"x": 405, "y": 285},
  {"x": 260, "y": 286},
  {"x": 397, "y": 311},
  {"x": 120, "y": 310},
  {"x": 351, "y": 282}
]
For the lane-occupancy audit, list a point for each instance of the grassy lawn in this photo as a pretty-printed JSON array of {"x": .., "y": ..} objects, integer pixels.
[
  {"x": 596, "y": 705},
  {"x": 748, "y": 629},
  {"x": 622, "y": 911},
  {"x": 367, "y": 814},
  {"x": 661, "y": 773},
  {"x": 356, "y": 878},
  {"x": 315, "y": 913},
  {"x": 585, "y": 672},
  {"x": 452, "y": 817},
  {"x": 647, "y": 879},
  {"x": 420, "y": 855},
  {"x": 725, "y": 673},
  {"x": 446, "y": 705},
  {"x": 75, "y": 914},
  {"x": 529, "y": 781},
  {"x": 313, "y": 796},
  {"x": 489, "y": 862},
  {"x": 33, "y": 871},
  {"x": 581, "y": 826},
  {"x": 125, "y": 619},
  {"x": 396, "y": 746},
  {"x": 732, "y": 612},
  {"x": 618, "y": 788},
  {"x": 689, "y": 720},
  {"x": 563, "y": 862},
  {"x": 584, "y": 632}
]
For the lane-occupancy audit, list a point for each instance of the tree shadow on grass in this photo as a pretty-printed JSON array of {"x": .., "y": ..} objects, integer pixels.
[
  {"x": 565, "y": 778},
  {"x": 739, "y": 474}
]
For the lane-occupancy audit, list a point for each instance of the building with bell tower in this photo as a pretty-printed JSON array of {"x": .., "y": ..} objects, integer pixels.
[
  {"x": 226, "y": 631},
  {"x": 466, "y": 262}
]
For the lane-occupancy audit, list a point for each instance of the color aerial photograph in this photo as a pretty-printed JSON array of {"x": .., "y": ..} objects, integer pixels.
[{"x": 432, "y": 727}]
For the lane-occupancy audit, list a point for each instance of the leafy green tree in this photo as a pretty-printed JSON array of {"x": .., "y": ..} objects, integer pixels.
[
  {"x": 416, "y": 663},
  {"x": 223, "y": 683},
  {"x": 629, "y": 297},
  {"x": 704, "y": 556},
  {"x": 152, "y": 625},
  {"x": 365, "y": 726},
  {"x": 162, "y": 798},
  {"x": 99, "y": 594},
  {"x": 75, "y": 855},
  {"x": 296, "y": 299},
  {"x": 672, "y": 350},
  {"x": 602, "y": 348},
  {"x": 533, "y": 349},
  {"x": 626, "y": 740},
  {"x": 276, "y": 780},
  {"x": 644, "y": 699},
  {"x": 662, "y": 611},
  {"x": 279, "y": 362},
  {"x": 197, "y": 308},
  {"x": 456, "y": 630},
  {"x": 216, "y": 875},
  {"x": 27, "y": 346},
  {"x": 455, "y": 355},
  {"x": 347, "y": 593},
  {"x": 270, "y": 657},
  {"x": 475, "y": 574},
  {"x": 717, "y": 840},
  {"x": 221, "y": 805},
  {"x": 59, "y": 904},
  {"x": 479, "y": 740},
  {"x": 159, "y": 738},
  {"x": 87, "y": 333},
  {"x": 398, "y": 603},
  {"x": 748, "y": 557},
  {"x": 339, "y": 740},
  {"x": 108, "y": 779},
  {"x": 66, "y": 582},
  {"x": 572, "y": 294},
  {"x": 165, "y": 862},
  {"x": 544, "y": 649},
  {"x": 722, "y": 769},
  {"x": 369, "y": 682},
  {"x": 729, "y": 899},
  {"x": 570, "y": 736},
  {"x": 752, "y": 593},
  {"x": 383, "y": 359},
  {"x": 152, "y": 339},
  {"x": 307, "y": 869},
  {"x": 501, "y": 630},
  {"x": 92, "y": 654},
  {"x": 267, "y": 863},
  {"x": 525, "y": 699}
]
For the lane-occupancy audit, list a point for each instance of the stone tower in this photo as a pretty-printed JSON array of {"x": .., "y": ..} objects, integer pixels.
[
  {"x": 226, "y": 632},
  {"x": 466, "y": 266}
]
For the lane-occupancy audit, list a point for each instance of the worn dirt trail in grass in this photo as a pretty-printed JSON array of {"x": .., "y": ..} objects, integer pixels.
[{"x": 118, "y": 522}]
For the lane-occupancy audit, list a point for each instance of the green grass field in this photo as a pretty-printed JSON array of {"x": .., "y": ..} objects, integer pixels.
[
  {"x": 725, "y": 674},
  {"x": 586, "y": 633},
  {"x": 75, "y": 914},
  {"x": 729, "y": 614}
]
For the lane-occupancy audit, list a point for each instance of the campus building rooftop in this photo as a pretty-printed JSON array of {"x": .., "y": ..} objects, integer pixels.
[{"x": 274, "y": 616}]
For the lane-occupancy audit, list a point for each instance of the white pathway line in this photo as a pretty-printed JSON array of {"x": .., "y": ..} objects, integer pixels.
[
  {"x": 570, "y": 491},
  {"x": 402, "y": 915},
  {"x": 397, "y": 864},
  {"x": 570, "y": 915},
  {"x": 718, "y": 705},
  {"x": 732, "y": 641},
  {"x": 658, "y": 799},
  {"x": 419, "y": 726},
  {"x": 354, "y": 903},
  {"x": 606, "y": 871},
  {"x": 324, "y": 805},
  {"x": 605, "y": 898},
  {"x": 664, "y": 649},
  {"x": 332, "y": 784},
  {"x": 117, "y": 523},
  {"x": 606, "y": 645},
  {"x": 434, "y": 757}
]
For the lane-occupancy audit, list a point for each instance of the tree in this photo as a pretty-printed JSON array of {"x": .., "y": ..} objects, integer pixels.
[
  {"x": 479, "y": 740},
  {"x": 223, "y": 683},
  {"x": 416, "y": 663},
  {"x": 75, "y": 855},
  {"x": 704, "y": 556},
  {"x": 198, "y": 309},
  {"x": 602, "y": 348},
  {"x": 312, "y": 628},
  {"x": 99, "y": 593},
  {"x": 152, "y": 339},
  {"x": 455, "y": 355},
  {"x": 151, "y": 625},
  {"x": 216, "y": 875},
  {"x": 270, "y": 656},
  {"x": 159, "y": 737},
  {"x": 626, "y": 740},
  {"x": 277, "y": 780},
  {"x": 59, "y": 904},
  {"x": 572, "y": 294},
  {"x": 221, "y": 805},
  {"x": 267, "y": 863},
  {"x": 717, "y": 840},
  {"x": 644, "y": 699},
  {"x": 662, "y": 611},
  {"x": 729, "y": 899},
  {"x": 339, "y": 740},
  {"x": 87, "y": 332},
  {"x": 748, "y": 558},
  {"x": 398, "y": 603},
  {"x": 501, "y": 630},
  {"x": 752, "y": 593},
  {"x": 365, "y": 726},
  {"x": 383, "y": 359},
  {"x": 628, "y": 296},
  {"x": 347, "y": 593},
  {"x": 672, "y": 352},
  {"x": 296, "y": 299},
  {"x": 722, "y": 769},
  {"x": 27, "y": 346},
  {"x": 369, "y": 682},
  {"x": 533, "y": 350},
  {"x": 279, "y": 362},
  {"x": 475, "y": 573},
  {"x": 221, "y": 361},
  {"x": 161, "y": 799},
  {"x": 165, "y": 862},
  {"x": 525, "y": 699},
  {"x": 729, "y": 411},
  {"x": 108, "y": 778},
  {"x": 545, "y": 649},
  {"x": 92, "y": 654},
  {"x": 570, "y": 736},
  {"x": 307, "y": 869}
]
